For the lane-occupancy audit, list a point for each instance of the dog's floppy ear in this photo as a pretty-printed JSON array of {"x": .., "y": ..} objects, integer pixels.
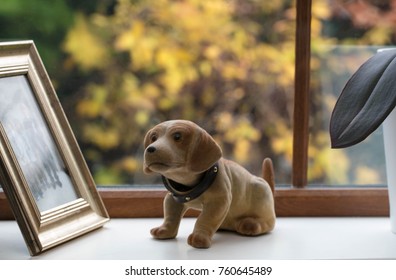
[
  {"x": 146, "y": 143},
  {"x": 205, "y": 152},
  {"x": 146, "y": 140}
]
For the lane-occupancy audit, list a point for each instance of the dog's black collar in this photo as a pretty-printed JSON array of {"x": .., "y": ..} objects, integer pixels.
[{"x": 182, "y": 193}]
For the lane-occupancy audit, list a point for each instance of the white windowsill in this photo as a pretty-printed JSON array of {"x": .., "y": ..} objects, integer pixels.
[{"x": 293, "y": 238}]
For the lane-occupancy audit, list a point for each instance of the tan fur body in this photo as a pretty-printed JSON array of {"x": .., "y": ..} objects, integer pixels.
[{"x": 236, "y": 200}]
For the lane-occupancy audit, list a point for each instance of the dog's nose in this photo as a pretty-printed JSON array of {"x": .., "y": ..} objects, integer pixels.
[{"x": 151, "y": 149}]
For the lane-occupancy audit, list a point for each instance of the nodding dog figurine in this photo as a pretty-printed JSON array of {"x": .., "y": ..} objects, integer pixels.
[{"x": 196, "y": 176}]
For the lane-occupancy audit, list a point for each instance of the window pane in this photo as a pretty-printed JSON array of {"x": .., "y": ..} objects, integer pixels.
[
  {"x": 125, "y": 66},
  {"x": 344, "y": 35}
]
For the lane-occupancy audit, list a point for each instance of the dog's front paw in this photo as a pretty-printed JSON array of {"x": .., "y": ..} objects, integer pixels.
[
  {"x": 199, "y": 240},
  {"x": 163, "y": 232}
]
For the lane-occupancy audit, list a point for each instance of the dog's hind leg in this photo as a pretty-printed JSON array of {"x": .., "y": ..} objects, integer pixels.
[
  {"x": 173, "y": 212},
  {"x": 253, "y": 226}
]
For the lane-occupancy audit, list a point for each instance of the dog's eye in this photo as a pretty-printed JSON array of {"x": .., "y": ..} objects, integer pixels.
[
  {"x": 177, "y": 136},
  {"x": 153, "y": 138}
]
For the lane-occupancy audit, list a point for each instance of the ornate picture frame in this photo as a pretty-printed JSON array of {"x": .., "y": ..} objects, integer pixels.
[{"x": 42, "y": 170}]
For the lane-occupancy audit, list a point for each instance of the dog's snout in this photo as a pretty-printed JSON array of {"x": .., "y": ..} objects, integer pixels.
[{"x": 151, "y": 149}]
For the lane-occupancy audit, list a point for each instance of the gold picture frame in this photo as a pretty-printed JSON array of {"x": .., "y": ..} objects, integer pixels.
[{"x": 42, "y": 170}]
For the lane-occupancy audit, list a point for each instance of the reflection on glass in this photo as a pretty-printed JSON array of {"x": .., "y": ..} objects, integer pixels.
[{"x": 33, "y": 145}]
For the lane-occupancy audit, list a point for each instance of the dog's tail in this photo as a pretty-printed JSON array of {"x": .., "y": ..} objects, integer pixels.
[{"x": 268, "y": 173}]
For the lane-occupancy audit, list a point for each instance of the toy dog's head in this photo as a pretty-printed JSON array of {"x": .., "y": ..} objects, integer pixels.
[{"x": 179, "y": 146}]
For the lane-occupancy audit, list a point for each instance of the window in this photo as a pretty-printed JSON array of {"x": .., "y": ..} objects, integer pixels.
[
  {"x": 359, "y": 200},
  {"x": 233, "y": 75},
  {"x": 219, "y": 74},
  {"x": 344, "y": 35}
]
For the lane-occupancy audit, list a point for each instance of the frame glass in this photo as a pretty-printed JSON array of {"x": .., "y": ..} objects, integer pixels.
[{"x": 42, "y": 171}]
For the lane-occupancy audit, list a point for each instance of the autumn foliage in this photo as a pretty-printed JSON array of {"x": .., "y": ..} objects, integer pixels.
[
  {"x": 121, "y": 67},
  {"x": 213, "y": 62}
]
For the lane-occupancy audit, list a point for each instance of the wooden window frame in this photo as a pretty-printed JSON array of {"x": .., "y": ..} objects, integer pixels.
[{"x": 294, "y": 201}]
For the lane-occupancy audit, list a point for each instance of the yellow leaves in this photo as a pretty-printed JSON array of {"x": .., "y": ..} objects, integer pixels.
[
  {"x": 278, "y": 61},
  {"x": 129, "y": 164},
  {"x": 106, "y": 138},
  {"x": 86, "y": 49},
  {"x": 178, "y": 66},
  {"x": 202, "y": 41},
  {"x": 197, "y": 20},
  {"x": 166, "y": 103},
  {"x": 320, "y": 9},
  {"x": 141, "y": 46},
  {"x": 327, "y": 163},
  {"x": 205, "y": 68},
  {"x": 240, "y": 132},
  {"x": 129, "y": 38},
  {"x": 172, "y": 57},
  {"x": 149, "y": 49},
  {"x": 212, "y": 52},
  {"x": 224, "y": 121},
  {"x": 379, "y": 36},
  {"x": 89, "y": 108},
  {"x": 95, "y": 105},
  {"x": 142, "y": 118},
  {"x": 108, "y": 176},
  {"x": 209, "y": 96},
  {"x": 136, "y": 96},
  {"x": 167, "y": 58},
  {"x": 164, "y": 57},
  {"x": 233, "y": 71},
  {"x": 242, "y": 150},
  {"x": 286, "y": 60},
  {"x": 282, "y": 141},
  {"x": 173, "y": 81},
  {"x": 365, "y": 175},
  {"x": 271, "y": 6},
  {"x": 320, "y": 12}
]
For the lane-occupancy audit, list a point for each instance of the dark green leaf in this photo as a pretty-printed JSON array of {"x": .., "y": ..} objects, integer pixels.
[{"x": 366, "y": 100}]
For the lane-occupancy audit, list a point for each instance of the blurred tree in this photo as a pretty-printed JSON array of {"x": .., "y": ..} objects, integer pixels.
[
  {"x": 120, "y": 67},
  {"x": 344, "y": 34},
  {"x": 227, "y": 65}
]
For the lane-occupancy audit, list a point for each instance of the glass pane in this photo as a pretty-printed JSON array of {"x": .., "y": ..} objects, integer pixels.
[
  {"x": 33, "y": 145},
  {"x": 344, "y": 35},
  {"x": 124, "y": 67}
]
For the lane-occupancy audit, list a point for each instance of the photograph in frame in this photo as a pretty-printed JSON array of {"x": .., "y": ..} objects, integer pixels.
[
  {"x": 42, "y": 170},
  {"x": 33, "y": 146}
]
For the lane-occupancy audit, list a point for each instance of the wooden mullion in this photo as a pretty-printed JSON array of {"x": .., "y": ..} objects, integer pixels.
[{"x": 301, "y": 96}]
